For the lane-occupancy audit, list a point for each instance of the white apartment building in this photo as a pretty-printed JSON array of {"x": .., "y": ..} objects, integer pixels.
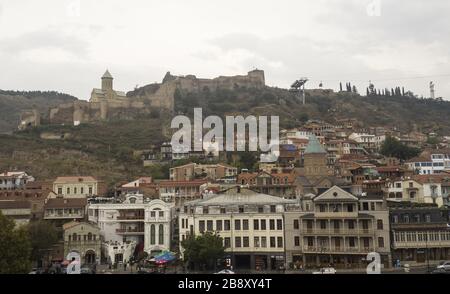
[
  {"x": 251, "y": 225},
  {"x": 437, "y": 162},
  {"x": 14, "y": 180},
  {"x": 365, "y": 140},
  {"x": 135, "y": 221}
]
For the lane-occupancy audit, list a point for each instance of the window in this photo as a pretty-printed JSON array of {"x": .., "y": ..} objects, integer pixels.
[
  {"x": 380, "y": 224},
  {"x": 380, "y": 242},
  {"x": 161, "y": 214},
  {"x": 68, "y": 190},
  {"x": 296, "y": 224},
  {"x": 222, "y": 210},
  {"x": 152, "y": 214},
  {"x": 272, "y": 224},
  {"x": 256, "y": 243},
  {"x": 90, "y": 190},
  {"x": 263, "y": 224},
  {"x": 237, "y": 224},
  {"x": 82, "y": 190},
  {"x": 272, "y": 242},
  {"x": 227, "y": 242},
  {"x": 241, "y": 209},
  {"x": 322, "y": 207},
  {"x": 372, "y": 206},
  {"x": 297, "y": 241},
  {"x": 161, "y": 234},
  {"x": 395, "y": 219},
  {"x": 205, "y": 210},
  {"x": 280, "y": 242},
  {"x": 406, "y": 218},
  {"x": 428, "y": 218},
  {"x": 245, "y": 224},
  {"x": 237, "y": 242},
  {"x": 218, "y": 225},
  {"x": 365, "y": 206},
  {"x": 152, "y": 235},
  {"x": 310, "y": 241},
  {"x": 227, "y": 225},
  {"x": 351, "y": 241},
  {"x": 256, "y": 224},
  {"x": 260, "y": 209},
  {"x": 263, "y": 242},
  {"x": 209, "y": 225},
  {"x": 349, "y": 207},
  {"x": 201, "y": 226},
  {"x": 279, "y": 224},
  {"x": 323, "y": 224},
  {"x": 75, "y": 190},
  {"x": 273, "y": 208},
  {"x": 246, "y": 242},
  {"x": 59, "y": 191},
  {"x": 351, "y": 225}
]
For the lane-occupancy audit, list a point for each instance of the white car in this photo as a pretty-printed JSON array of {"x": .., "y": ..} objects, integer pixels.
[
  {"x": 225, "y": 272},
  {"x": 325, "y": 271},
  {"x": 444, "y": 265}
]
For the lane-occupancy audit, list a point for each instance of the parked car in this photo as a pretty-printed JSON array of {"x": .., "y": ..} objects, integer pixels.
[
  {"x": 444, "y": 265},
  {"x": 325, "y": 271},
  {"x": 440, "y": 271},
  {"x": 225, "y": 272}
]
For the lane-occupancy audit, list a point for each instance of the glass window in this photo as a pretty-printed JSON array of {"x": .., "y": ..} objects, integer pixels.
[
  {"x": 227, "y": 225},
  {"x": 280, "y": 242},
  {"x": 263, "y": 224},
  {"x": 263, "y": 242},
  {"x": 201, "y": 226},
  {"x": 237, "y": 224},
  {"x": 256, "y": 224},
  {"x": 246, "y": 242},
  {"x": 256, "y": 243},
  {"x": 272, "y": 224},
  {"x": 227, "y": 242},
  {"x": 209, "y": 225},
  {"x": 296, "y": 224},
  {"x": 272, "y": 242},
  {"x": 279, "y": 224},
  {"x": 245, "y": 224},
  {"x": 237, "y": 242},
  {"x": 218, "y": 225},
  {"x": 297, "y": 241}
]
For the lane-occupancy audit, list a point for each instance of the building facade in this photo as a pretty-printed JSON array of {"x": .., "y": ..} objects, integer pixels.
[
  {"x": 339, "y": 229},
  {"x": 78, "y": 187},
  {"x": 251, "y": 225},
  {"x": 83, "y": 238}
]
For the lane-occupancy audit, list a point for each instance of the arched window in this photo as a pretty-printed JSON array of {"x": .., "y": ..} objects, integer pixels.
[
  {"x": 74, "y": 237},
  {"x": 152, "y": 235},
  {"x": 89, "y": 236},
  {"x": 161, "y": 234}
]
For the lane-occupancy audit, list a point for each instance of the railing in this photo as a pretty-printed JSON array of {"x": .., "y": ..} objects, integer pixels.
[
  {"x": 320, "y": 249},
  {"x": 334, "y": 231},
  {"x": 136, "y": 217},
  {"x": 131, "y": 230}
]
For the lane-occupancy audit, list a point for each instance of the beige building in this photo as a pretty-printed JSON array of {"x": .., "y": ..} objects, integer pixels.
[
  {"x": 78, "y": 187},
  {"x": 19, "y": 211},
  {"x": 251, "y": 225},
  {"x": 193, "y": 171},
  {"x": 107, "y": 93},
  {"x": 339, "y": 229},
  {"x": 83, "y": 238}
]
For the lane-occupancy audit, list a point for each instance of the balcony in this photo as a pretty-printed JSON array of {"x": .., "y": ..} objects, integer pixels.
[
  {"x": 130, "y": 218},
  {"x": 333, "y": 231},
  {"x": 130, "y": 231},
  {"x": 341, "y": 249}
]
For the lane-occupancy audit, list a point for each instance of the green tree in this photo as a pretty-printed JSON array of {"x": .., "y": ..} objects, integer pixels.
[
  {"x": 203, "y": 251},
  {"x": 15, "y": 248},
  {"x": 248, "y": 160},
  {"x": 42, "y": 236},
  {"x": 394, "y": 148}
]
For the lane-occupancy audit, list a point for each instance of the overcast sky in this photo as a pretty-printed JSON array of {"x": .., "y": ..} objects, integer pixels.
[{"x": 66, "y": 45}]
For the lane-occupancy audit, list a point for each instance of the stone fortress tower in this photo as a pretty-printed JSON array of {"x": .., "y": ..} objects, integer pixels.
[{"x": 106, "y": 103}]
